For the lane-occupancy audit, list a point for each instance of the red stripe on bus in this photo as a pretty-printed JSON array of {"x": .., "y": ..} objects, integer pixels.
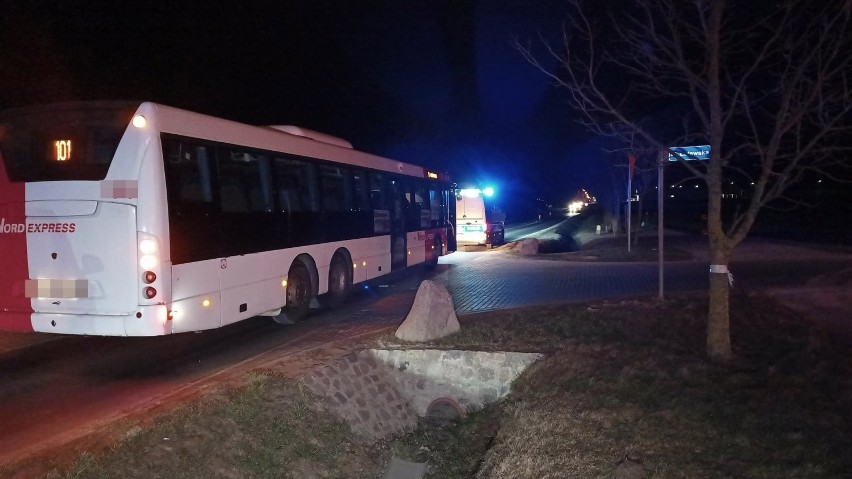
[{"x": 15, "y": 308}]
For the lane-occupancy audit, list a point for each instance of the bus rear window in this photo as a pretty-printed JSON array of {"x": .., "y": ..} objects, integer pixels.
[{"x": 63, "y": 142}]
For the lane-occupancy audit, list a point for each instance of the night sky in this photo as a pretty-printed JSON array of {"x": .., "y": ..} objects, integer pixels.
[{"x": 436, "y": 83}]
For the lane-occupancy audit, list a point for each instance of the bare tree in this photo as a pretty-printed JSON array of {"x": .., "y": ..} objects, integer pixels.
[{"x": 765, "y": 84}]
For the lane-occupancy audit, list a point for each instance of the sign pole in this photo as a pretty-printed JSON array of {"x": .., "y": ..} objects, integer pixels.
[
  {"x": 660, "y": 197},
  {"x": 629, "y": 212}
]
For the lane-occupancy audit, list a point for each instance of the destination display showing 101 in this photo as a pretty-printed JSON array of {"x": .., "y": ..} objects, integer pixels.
[{"x": 62, "y": 150}]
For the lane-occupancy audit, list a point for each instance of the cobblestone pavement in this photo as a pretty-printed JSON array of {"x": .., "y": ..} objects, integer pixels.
[{"x": 489, "y": 281}]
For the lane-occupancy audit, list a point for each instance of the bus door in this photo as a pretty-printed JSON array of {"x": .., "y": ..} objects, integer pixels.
[{"x": 398, "y": 209}]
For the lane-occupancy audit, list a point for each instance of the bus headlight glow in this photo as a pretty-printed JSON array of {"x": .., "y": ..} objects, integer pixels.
[
  {"x": 139, "y": 121},
  {"x": 206, "y": 303},
  {"x": 284, "y": 283}
]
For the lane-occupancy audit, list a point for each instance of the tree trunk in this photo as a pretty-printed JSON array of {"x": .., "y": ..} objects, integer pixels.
[{"x": 718, "y": 315}]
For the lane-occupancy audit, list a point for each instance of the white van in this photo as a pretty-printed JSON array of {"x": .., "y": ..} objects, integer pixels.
[{"x": 473, "y": 226}]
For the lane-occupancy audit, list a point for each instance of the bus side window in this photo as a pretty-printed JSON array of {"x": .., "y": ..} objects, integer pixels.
[
  {"x": 241, "y": 183},
  {"x": 362, "y": 191},
  {"x": 205, "y": 176},
  {"x": 333, "y": 189},
  {"x": 187, "y": 174},
  {"x": 377, "y": 191},
  {"x": 410, "y": 208},
  {"x": 295, "y": 183},
  {"x": 421, "y": 204},
  {"x": 436, "y": 208},
  {"x": 261, "y": 197},
  {"x": 379, "y": 204},
  {"x": 308, "y": 187}
]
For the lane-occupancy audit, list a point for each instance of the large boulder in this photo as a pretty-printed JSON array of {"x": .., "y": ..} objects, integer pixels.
[{"x": 432, "y": 316}]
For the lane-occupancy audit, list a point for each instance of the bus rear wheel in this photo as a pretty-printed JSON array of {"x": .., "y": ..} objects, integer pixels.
[
  {"x": 339, "y": 283},
  {"x": 299, "y": 293}
]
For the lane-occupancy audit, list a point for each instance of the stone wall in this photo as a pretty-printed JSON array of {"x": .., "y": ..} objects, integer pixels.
[
  {"x": 471, "y": 378},
  {"x": 381, "y": 393},
  {"x": 363, "y": 393}
]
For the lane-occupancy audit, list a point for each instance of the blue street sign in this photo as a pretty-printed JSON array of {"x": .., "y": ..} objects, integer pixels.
[{"x": 701, "y": 152}]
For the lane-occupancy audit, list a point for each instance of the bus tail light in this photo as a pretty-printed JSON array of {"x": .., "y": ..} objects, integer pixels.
[{"x": 148, "y": 253}]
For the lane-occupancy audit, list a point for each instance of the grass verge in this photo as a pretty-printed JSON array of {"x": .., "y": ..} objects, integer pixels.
[
  {"x": 622, "y": 383},
  {"x": 270, "y": 428},
  {"x": 626, "y": 382}
]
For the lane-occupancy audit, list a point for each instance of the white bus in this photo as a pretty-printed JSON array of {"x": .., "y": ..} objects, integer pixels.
[{"x": 144, "y": 220}]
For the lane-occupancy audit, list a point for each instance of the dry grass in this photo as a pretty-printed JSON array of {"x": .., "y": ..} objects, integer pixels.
[
  {"x": 270, "y": 428},
  {"x": 631, "y": 381}
]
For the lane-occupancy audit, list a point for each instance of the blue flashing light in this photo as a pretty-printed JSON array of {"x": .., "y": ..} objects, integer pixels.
[{"x": 488, "y": 191}]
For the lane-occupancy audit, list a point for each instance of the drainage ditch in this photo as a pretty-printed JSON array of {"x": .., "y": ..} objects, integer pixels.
[{"x": 382, "y": 392}]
